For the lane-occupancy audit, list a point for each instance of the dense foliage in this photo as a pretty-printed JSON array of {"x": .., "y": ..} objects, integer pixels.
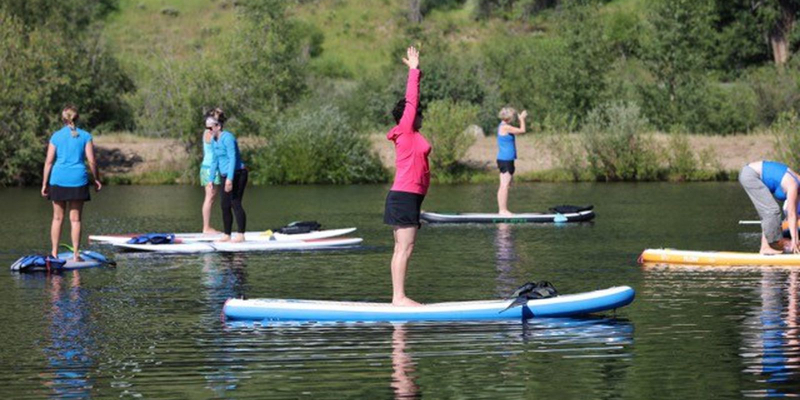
[
  {"x": 46, "y": 63},
  {"x": 684, "y": 66},
  {"x": 316, "y": 146}
]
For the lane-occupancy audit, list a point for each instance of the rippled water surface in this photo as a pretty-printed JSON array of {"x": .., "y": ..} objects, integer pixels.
[{"x": 151, "y": 327}]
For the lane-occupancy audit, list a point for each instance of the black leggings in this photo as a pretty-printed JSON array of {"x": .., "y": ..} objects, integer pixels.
[{"x": 233, "y": 200}]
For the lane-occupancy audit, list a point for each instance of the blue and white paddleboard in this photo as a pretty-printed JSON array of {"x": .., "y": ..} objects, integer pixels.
[
  {"x": 91, "y": 259},
  {"x": 254, "y": 236},
  {"x": 232, "y": 247},
  {"x": 316, "y": 310},
  {"x": 489, "y": 218}
]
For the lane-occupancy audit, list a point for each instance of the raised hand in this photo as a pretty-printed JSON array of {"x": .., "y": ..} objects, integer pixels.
[
  {"x": 412, "y": 58},
  {"x": 523, "y": 114}
]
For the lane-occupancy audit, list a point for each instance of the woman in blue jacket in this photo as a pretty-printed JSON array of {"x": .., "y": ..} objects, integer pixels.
[
  {"x": 65, "y": 181},
  {"x": 228, "y": 161}
]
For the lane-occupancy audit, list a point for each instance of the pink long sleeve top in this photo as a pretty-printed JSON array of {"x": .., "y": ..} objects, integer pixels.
[{"x": 413, "y": 174}]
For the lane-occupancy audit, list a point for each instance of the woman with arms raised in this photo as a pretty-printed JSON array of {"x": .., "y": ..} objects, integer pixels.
[
  {"x": 507, "y": 153},
  {"x": 65, "y": 181},
  {"x": 411, "y": 181}
]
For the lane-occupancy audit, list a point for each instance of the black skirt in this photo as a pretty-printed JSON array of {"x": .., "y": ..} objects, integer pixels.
[
  {"x": 402, "y": 208},
  {"x": 66, "y": 193},
  {"x": 506, "y": 166}
]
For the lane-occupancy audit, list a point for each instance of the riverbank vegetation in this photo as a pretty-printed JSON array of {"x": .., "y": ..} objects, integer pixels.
[{"x": 312, "y": 79}]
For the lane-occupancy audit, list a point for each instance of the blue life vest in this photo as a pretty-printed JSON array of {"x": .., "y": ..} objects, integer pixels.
[
  {"x": 153, "y": 238},
  {"x": 36, "y": 262}
]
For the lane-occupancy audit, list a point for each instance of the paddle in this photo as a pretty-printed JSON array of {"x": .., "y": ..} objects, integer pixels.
[{"x": 749, "y": 222}]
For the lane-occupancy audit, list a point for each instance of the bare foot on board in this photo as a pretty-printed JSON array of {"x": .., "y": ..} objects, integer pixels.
[
  {"x": 405, "y": 302},
  {"x": 225, "y": 238},
  {"x": 769, "y": 251},
  {"x": 238, "y": 238}
]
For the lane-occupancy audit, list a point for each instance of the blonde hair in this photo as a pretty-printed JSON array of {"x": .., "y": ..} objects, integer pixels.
[
  {"x": 217, "y": 114},
  {"x": 507, "y": 114},
  {"x": 69, "y": 115}
]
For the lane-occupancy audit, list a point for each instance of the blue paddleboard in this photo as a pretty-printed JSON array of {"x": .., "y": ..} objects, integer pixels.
[{"x": 316, "y": 310}]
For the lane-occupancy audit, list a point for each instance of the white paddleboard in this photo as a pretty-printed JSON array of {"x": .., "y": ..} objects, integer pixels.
[
  {"x": 250, "y": 236},
  {"x": 230, "y": 247}
]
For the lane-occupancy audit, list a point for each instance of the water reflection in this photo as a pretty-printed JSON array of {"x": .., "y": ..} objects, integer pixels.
[
  {"x": 68, "y": 354},
  {"x": 772, "y": 338},
  {"x": 506, "y": 256},
  {"x": 289, "y": 354},
  {"x": 402, "y": 367}
]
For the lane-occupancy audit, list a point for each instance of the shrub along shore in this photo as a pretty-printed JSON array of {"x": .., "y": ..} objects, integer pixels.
[{"x": 128, "y": 159}]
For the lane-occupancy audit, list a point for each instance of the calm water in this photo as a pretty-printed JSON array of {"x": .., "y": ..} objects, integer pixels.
[{"x": 151, "y": 327}]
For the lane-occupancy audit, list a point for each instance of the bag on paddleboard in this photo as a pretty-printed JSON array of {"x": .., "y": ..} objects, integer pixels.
[
  {"x": 568, "y": 209},
  {"x": 299, "y": 227},
  {"x": 37, "y": 262},
  {"x": 153, "y": 238},
  {"x": 532, "y": 291}
]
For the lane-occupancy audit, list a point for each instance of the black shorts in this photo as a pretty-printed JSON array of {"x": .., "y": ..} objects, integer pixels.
[
  {"x": 402, "y": 208},
  {"x": 66, "y": 193},
  {"x": 506, "y": 166}
]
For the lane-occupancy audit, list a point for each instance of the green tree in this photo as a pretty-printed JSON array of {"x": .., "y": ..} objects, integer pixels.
[
  {"x": 41, "y": 70},
  {"x": 681, "y": 36},
  {"x": 267, "y": 70}
]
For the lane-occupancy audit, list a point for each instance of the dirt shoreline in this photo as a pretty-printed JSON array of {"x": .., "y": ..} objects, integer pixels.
[{"x": 129, "y": 155}]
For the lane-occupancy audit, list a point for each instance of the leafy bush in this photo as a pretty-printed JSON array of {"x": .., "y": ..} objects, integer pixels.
[
  {"x": 316, "y": 146},
  {"x": 616, "y": 147},
  {"x": 686, "y": 165},
  {"x": 777, "y": 91},
  {"x": 41, "y": 70},
  {"x": 445, "y": 127},
  {"x": 787, "y": 140},
  {"x": 569, "y": 155}
]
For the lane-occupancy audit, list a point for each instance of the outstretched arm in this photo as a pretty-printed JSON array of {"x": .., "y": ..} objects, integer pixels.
[{"x": 412, "y": 89}]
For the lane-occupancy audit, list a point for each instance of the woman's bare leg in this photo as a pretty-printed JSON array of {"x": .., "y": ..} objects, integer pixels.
[
  {"x": 404, "y": 237},
  {"x": 208, "y": 202},
  {"x": 502, "y": 193},
  {"x": 75, "y": 210},
  {"x": 55, "y": 226}
]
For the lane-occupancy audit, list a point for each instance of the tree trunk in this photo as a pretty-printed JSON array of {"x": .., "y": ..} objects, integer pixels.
[
  {"x": 779, "y": 34},
  {"x": 414, "y": 14}
]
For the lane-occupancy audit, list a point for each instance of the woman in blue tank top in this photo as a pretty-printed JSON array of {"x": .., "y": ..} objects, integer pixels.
[
  {"x": 765, "y": 182},
  {"x": 205, "y": 172},
  {"x": 507, "y": 153},
  {"x": 65, "y": 181}
]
